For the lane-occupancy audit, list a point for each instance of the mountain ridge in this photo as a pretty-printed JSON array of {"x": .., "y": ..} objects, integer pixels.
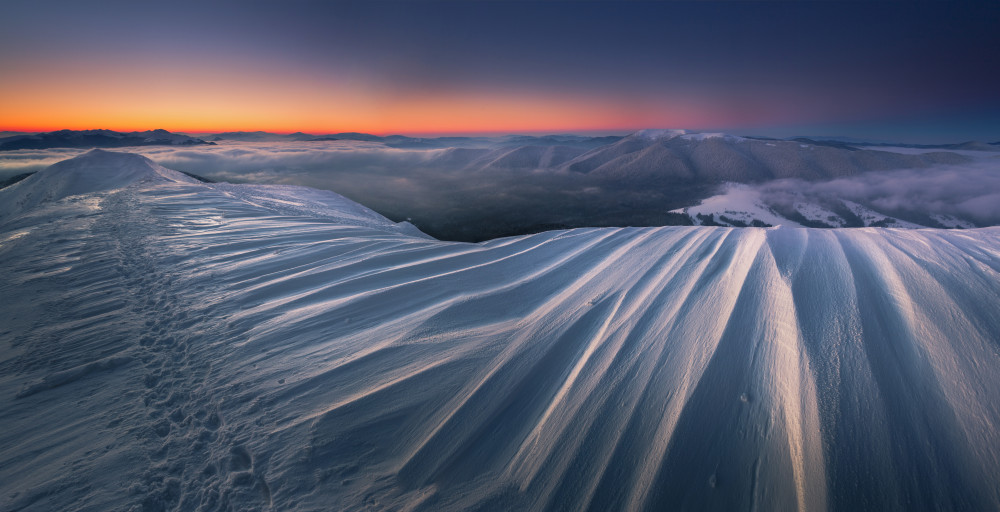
[
  {"x": 175, "y": 344},
  {"x": 97, "y": 139}
]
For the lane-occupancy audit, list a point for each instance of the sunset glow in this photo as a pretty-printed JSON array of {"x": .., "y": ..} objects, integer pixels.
[
  {"x": 496, "y": 67},
  {"x": 143, "y": 95}
]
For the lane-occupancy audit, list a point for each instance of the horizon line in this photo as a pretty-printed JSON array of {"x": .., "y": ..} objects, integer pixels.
[
  {"x": 379, "y": 133},
  {"x": 757, "y": 132}
]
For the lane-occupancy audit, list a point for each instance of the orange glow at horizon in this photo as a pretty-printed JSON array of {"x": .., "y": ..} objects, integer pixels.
[
  {"x": 322, "y": 115},
  {"x": 211, "y": 98}
]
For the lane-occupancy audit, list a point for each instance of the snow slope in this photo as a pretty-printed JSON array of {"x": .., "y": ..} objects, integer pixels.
[
  {"x": 738, "y": 202},
  {"x": 175, "y": 345},
  {"x": 742, "y": 205}
]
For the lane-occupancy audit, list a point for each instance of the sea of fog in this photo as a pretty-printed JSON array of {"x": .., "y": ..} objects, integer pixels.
[{"x": 444, "y": 194}]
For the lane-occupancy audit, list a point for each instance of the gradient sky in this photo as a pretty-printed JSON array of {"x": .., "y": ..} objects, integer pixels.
[{"x": 907, "y": 71}]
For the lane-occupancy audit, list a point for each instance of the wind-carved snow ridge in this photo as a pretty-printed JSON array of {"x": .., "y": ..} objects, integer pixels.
[
  {"x": 174, "y": 345},
  {"x": 94, "y": 171}
]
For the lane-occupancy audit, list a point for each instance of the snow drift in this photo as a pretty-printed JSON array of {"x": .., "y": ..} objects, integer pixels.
[{"x": 172, "y": 344}]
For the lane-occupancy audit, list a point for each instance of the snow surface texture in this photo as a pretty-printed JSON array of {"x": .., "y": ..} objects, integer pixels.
[{"x": 174, "y": 345}]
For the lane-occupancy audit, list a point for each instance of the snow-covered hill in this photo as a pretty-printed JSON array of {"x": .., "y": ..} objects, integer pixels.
[{"x": 175, "y": 345}]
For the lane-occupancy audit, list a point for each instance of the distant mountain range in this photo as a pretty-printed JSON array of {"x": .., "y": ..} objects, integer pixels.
[
  {"x": 405, "y": 142},
  {"x": 579, "y": 143},
  {"x": 962, "y": 146},
  {"x": 656, "y": 157},
  {"x": 854, "y": 141},
  {"x": 260, "y": 136},
  {"x": 97, "y": 139},
  {"x": 651, "y": 156}
]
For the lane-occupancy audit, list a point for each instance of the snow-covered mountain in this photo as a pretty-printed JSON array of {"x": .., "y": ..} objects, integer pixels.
[
  {"x": 260, "y": 136},
  {"x": 656, "y": 158},
  {"x": 652, "y": 156},
  {"x": 403, "y": 141},
  {"x": 171, "y": 344}
]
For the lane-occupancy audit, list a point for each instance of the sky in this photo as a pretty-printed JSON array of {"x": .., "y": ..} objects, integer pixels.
[{"x": 902, "y": 71}]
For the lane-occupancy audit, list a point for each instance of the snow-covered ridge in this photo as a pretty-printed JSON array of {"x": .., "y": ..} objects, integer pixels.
[
  {"x": 174, "y": 345},
  {"x": 94, "y": 171},
  {"x": 96, "y": 139},
  {"x": 100, "y": 171}
]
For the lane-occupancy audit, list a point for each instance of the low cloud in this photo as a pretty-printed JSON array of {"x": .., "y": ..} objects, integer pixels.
[
  {"x": 434, "y": 188},
  {"x": 969, "y": 191},
  {"x": 32, "y": 160},
  {"x": 451, "y": 200}
]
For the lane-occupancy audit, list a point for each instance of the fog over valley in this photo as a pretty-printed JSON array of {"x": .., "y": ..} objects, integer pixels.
[{"x": 479, "y": 188}]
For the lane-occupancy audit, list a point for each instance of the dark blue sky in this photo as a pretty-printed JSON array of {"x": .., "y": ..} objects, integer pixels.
[{"x": 894, "y": 70}]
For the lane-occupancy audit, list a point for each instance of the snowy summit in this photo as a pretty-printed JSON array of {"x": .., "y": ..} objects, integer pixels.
[{"x": 170, "y": 344}]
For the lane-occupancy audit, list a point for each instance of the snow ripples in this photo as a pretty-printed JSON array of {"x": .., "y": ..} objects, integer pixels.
[{"x": 289, "y": 362}]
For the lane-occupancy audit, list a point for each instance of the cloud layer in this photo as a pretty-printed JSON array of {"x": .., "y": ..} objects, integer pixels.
[
  {"x": 969, "y": 191},
  {"x": 451, "y": 201}
]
